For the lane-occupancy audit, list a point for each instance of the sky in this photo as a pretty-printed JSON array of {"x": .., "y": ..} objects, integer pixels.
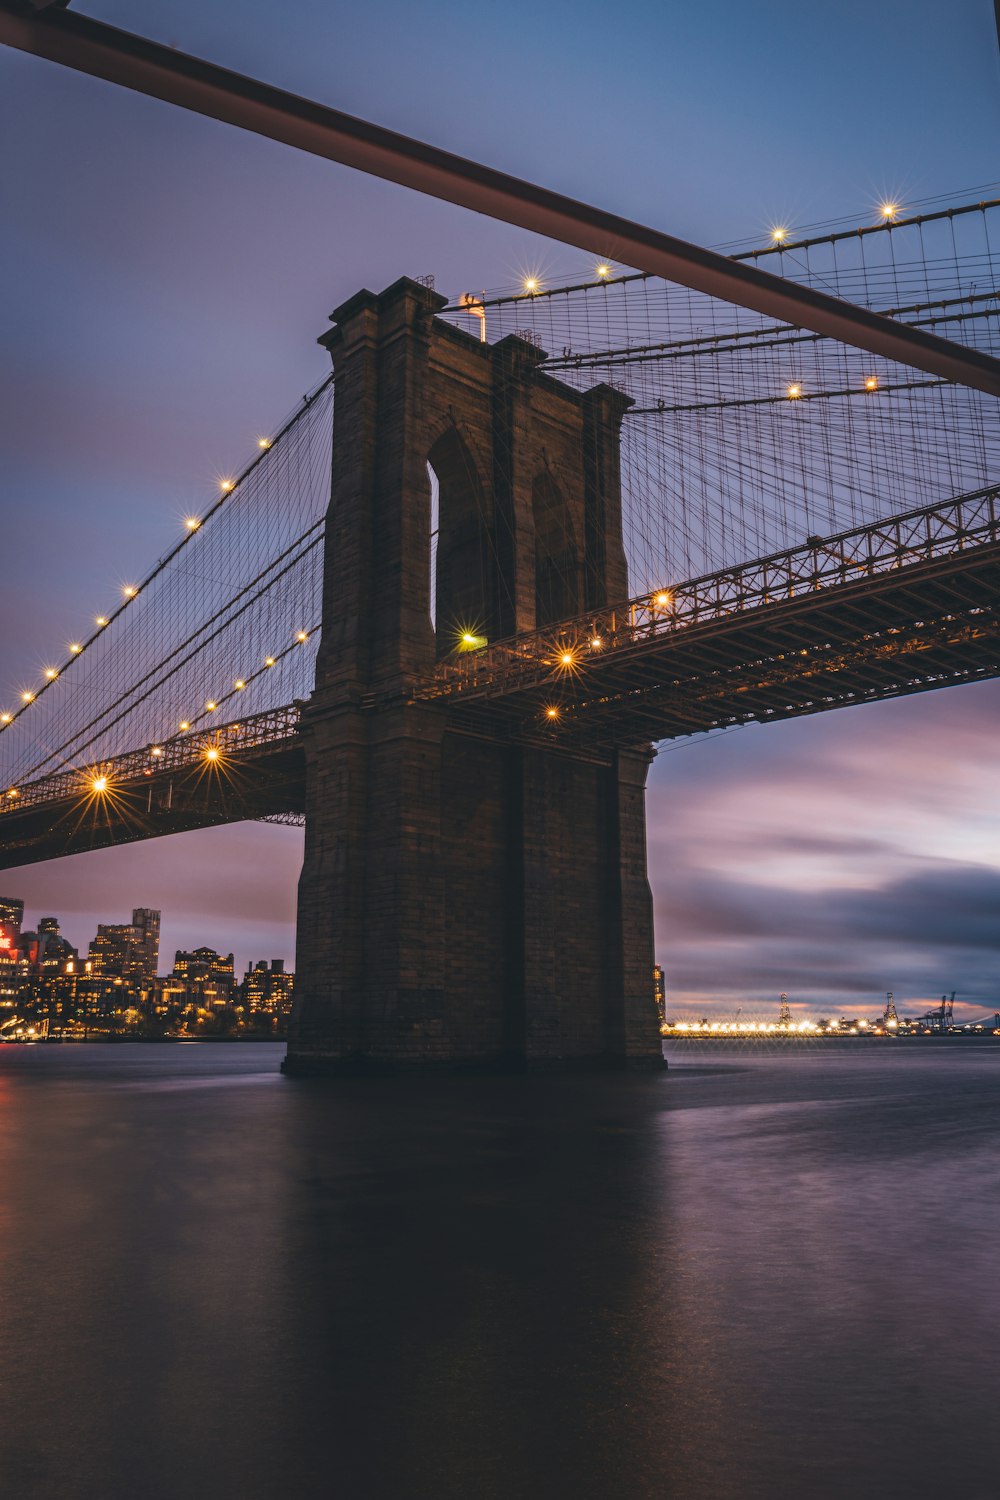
[{"x": 164, "y": 279}]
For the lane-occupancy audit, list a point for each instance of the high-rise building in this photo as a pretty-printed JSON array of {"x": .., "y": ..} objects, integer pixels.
[
  {"x": 11, "y": 917},
  {"x": 127, "y": 950},
  {"x": 147, "y": 926},
  {"x": 268, "y": 989}
]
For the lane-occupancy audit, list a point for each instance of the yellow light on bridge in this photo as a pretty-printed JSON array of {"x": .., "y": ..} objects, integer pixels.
[
  {"x": 99, "y": 784},
  {"x": 156, "y": 752},
  {"x": 28, "y": 697},
  {"x": 192, "y": 523},
  {"x": 226, "y": 485},
  {"x": 871, "y": 384},
  {"x": 552, "y": 713},
  {"x": 130, "y": 591},
  {"x": 596, "y": 643},
  {"x": 889, "y": 212},
  {"x": 211, "y": 706},
  {"x": 13, "y": 792},
  {"x": 603, "y": 271},
  {"x": 239, "y": 684},
  {"x": 302, "y": 635},
  {"x": 51, "y": 673},
  {"x": 662, "y": 598},
  {"x": 779, "y": 234},
  {"x": 76, "y": 648},
  {"x": 531, "y": 284},
  {"x": 567, "y": 659},
  {"x": 102, "y": 620},
  {"x": 184, "y": 725},
  {"x": 263, "y": 442},
  {"x": 6, "y": 718},
  {"x": 793, "y": 392},
  {"x": 212, "y": 753},
  {"x": 269, "y": 661}
]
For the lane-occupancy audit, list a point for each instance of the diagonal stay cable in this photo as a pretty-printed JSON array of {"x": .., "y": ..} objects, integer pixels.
[{"x": 102, "y": 719}]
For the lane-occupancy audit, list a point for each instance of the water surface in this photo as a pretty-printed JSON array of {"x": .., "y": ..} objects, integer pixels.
[{"x": 759, "y": 1275}]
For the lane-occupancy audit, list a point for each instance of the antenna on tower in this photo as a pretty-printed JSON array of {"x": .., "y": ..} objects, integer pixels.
[{"x": 889, "y": 1014}]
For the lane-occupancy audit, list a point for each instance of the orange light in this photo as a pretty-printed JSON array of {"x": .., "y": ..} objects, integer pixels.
[
  {"x": 552, "y": 713},
  {"x": 184, "y": 725},
  {"x": 662, "y": 598},
  {"x": 269, "y": 661},
  {"x": 567, "y": 658},
  {"x": 13, "y": 792},
  {"x": 51, "y": 673},
  {"x": 263, "y": 442},
  {"x": 794, "y": 392},
  {"x": 28, "y": 697},
  {"x": 211, "y": 706},
  {"x": 99, "y": 783},
  {"x": 596, "y": 643},
  {"x": 130, "y": 591},
  {"x": 6, "y": 718},
  {"x": 871, "y": 384},
  {"x": 211, "y": 753},
  {"x": 226, "y": 485},
  {"x": 302, "y": 635},
  {"x": 239, "y": 684},
  {"x": 156, "y": 751},
  {"x": 102, "y": 619},
  {"x": 192, "y": 523},
  {"x": 76, "y": 648}
]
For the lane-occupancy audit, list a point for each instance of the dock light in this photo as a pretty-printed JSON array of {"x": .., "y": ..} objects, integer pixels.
[
  {"x": 263, "y": 442},
  {"x": 871, "y": 384},
  {"x": 531, "y": 284},
  {"x": 603, "y": 271},
  {"x": 662, "y": 598},
  {"x": 130, "y": 591},
  {"x": 779, "y": 234},
  {"x": 889, "y": 212},
  {"x": 552, "y": 713},
  {"x": 156, "y": 751},
  {"x": 28, "y": 697},
  {"x": 101, "y": 620},
  {"x": 794, "y": 392},
  {"x": 302, "y": 635},
  {"x": 239, "y": 684},
  {"x": 211, "y": 706},
  {"x": 226, "y": 485},
  {"x": 211, "y": 753},
  {"x": 269, "y": 661},
  {"x": 99, "y": 784},
  {"x": 51, "y": 673},
  {"x": 76, "y": 648},
  {"x": 192, "y": 523},
  {"x": 183, "y": 725}
]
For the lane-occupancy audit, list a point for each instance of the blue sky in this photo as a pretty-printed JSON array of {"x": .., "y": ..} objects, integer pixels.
[{"x": 165, "y": 278}]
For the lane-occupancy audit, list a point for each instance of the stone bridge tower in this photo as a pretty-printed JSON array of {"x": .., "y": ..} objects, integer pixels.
[{"x": 464, "y": 899}]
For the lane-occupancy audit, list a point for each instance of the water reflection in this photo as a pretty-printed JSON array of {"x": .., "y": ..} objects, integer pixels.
[{"x": 770, "y": 1279}]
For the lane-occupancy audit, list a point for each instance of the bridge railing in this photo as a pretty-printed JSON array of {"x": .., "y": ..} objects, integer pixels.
[
  {"x": 934, "y": 532},
  {"x": 152, "y": 763}
]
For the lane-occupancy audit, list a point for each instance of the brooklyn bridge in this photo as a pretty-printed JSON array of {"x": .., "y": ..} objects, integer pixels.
[{"x": 450, "y": 604}]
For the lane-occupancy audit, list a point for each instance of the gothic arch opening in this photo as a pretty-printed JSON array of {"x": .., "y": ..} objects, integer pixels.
[
  {"x": 462, "y": 561},
  {"x": 558, "y": 571}
]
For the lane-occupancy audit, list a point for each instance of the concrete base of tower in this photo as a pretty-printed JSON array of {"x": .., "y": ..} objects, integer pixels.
[{"x": 318, "y": 1064}]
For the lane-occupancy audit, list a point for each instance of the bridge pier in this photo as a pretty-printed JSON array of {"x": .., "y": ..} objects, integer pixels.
[{"x": 467, "y": 898}]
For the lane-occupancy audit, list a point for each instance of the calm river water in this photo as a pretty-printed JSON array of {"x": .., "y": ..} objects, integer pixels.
[{"x": 766, "y": 1275}]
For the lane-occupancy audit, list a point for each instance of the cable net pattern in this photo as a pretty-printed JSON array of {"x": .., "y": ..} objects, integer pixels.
[
  {"x": 747, "y": 436},
  {"x": 225, "y": 626}
]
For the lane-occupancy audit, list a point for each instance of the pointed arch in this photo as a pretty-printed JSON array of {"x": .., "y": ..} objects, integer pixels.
[
  {"x": 558, "y": 567},
  {"x": 463, "y": 561}
]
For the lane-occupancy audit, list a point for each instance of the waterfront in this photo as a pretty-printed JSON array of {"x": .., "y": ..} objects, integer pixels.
[{"x": 760, "y": 1275}]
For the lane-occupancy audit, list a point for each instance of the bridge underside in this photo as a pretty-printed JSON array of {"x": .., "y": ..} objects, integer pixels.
[
  {"x": 262, "y": 783},
  {"x": 931, "y": 625}
]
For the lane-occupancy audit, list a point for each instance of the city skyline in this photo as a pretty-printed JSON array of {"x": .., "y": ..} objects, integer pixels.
[{"x": 136, "y": 274}]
